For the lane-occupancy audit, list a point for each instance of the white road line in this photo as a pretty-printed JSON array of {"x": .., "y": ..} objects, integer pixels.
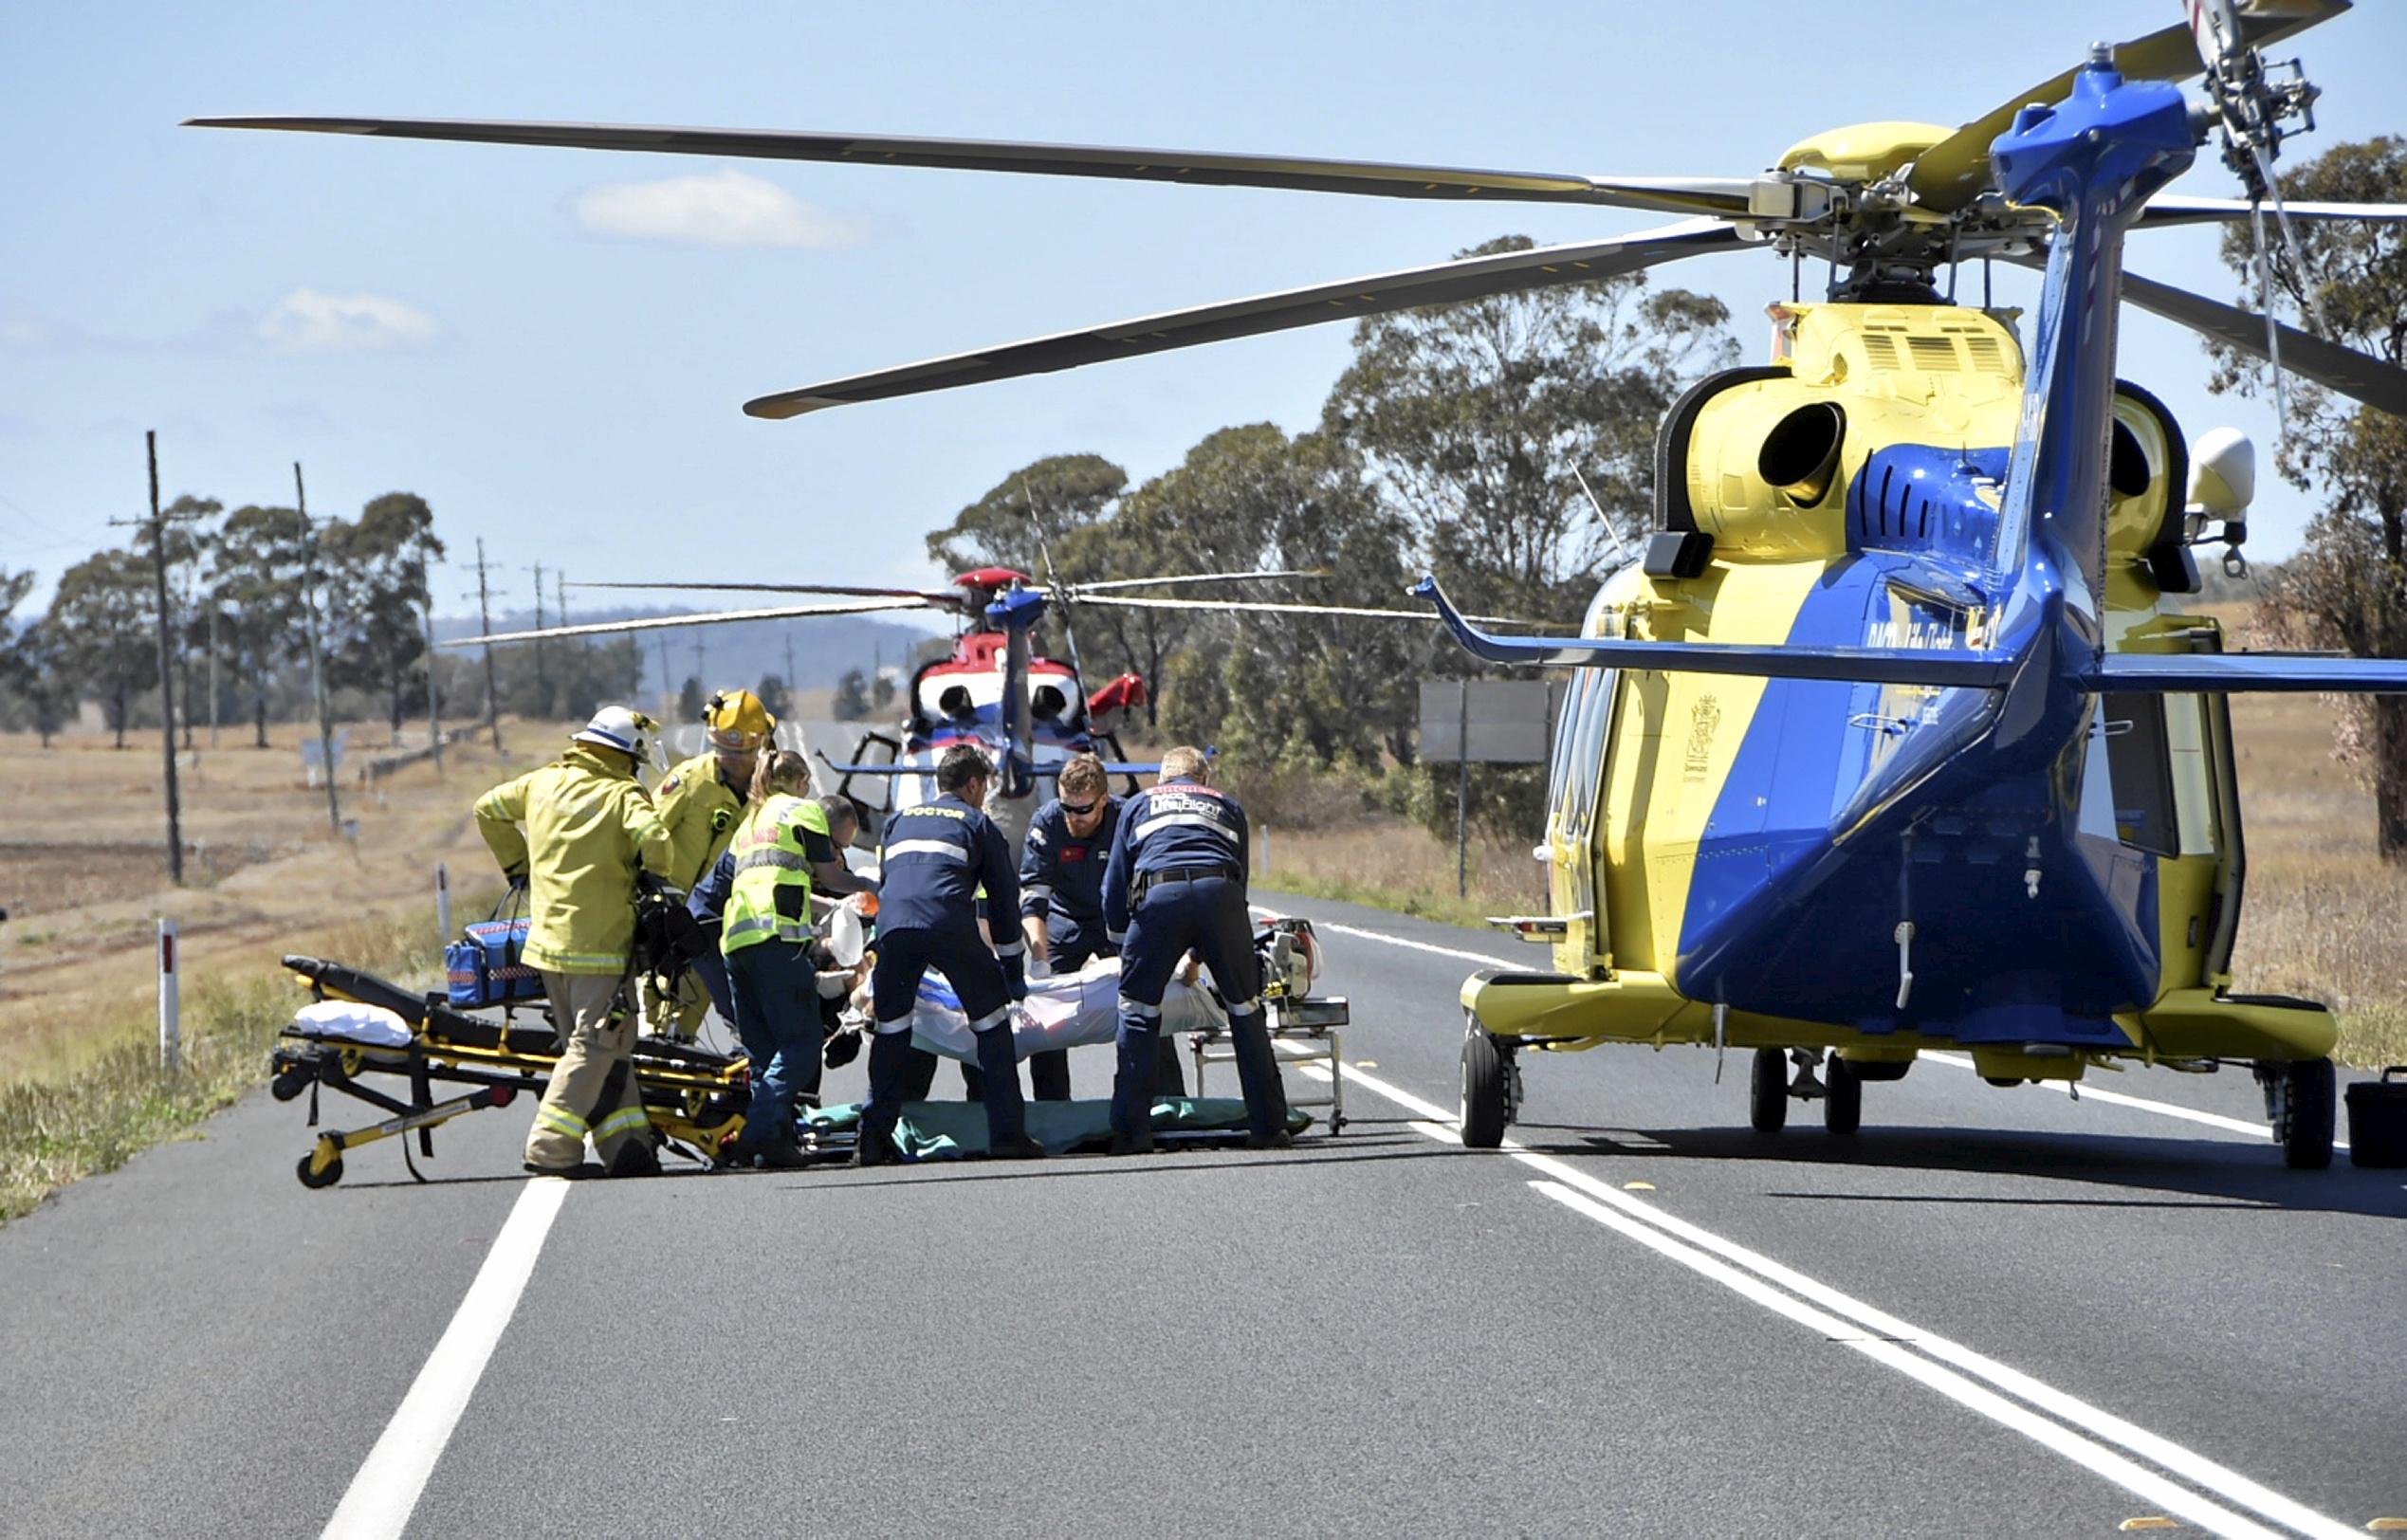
[
  {"x": 1392, "y": 941},
  {"x": 2086, "y": 1453},
  {"x": 385, "y": 1492},
  {"x": 2090, "y": 1092},
  {"x": 2101, "y": 1424}
]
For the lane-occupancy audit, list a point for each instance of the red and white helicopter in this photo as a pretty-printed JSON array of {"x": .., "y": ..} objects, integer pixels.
[{"x": 1030, "y": 713}]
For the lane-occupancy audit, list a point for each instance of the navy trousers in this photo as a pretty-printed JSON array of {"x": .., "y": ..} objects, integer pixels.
[
  {"x": 777, "y": 1014},
  {"x": 904, "y": 958},
  {"x": 1209, "y": 918}
]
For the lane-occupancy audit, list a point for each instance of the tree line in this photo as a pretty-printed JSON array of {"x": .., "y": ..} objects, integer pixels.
[{"x": 241, "y": 587}]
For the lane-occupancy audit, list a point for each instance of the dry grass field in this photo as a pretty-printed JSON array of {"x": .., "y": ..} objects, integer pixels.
[{"x": 83, "y": 872}]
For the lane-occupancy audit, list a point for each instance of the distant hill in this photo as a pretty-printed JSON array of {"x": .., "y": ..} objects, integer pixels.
[{"x": 824, "y": 649}]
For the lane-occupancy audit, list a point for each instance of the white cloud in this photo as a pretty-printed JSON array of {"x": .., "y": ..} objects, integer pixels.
[
  {"x": 726, "y": 209},
  {"x": 308, "y": 322}
]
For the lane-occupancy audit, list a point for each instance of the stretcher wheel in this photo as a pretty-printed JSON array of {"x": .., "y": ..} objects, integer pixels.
[
  {"x": 290, "y": 1083},
  {"x": 1487, "y": 1101},
  {"x": 2303, "y": 1120},
  {"x": 312, "y": 1178},
  {"x": 1768, "y": 1092},
  {"x": 1843, "y": 1099}
]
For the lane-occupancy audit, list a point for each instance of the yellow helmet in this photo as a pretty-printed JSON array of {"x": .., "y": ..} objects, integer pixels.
[{"x": 739, "y": 723}]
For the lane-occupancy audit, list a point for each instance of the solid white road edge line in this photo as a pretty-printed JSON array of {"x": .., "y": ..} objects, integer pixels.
[
  {"x": 2091, "y": 1092},
  {"x": 1953, "y": 1061},
  {"x": 385, "y": 1492},
  {"x": 2086, "y": 1453},
  {"x": 2186, "y": 1463}
]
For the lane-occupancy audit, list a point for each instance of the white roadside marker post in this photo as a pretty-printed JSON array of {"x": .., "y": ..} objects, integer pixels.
[
  {"x": 170, "y": 1037},
  {"x": 442, "y": 902}
]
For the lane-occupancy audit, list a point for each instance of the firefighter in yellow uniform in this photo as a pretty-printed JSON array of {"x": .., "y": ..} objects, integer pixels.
[
  {"x": 700, "y": 802},
  {"x": 590, "y": 827}
]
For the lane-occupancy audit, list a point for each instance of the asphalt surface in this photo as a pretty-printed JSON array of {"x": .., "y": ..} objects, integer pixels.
[{"x": 1989, "y": 1312}]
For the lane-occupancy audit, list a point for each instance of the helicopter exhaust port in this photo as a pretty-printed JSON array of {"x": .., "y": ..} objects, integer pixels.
[{"x": 1800, "y": 456}]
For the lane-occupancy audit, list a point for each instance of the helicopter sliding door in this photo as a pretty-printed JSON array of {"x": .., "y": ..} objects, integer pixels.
[{"x": 1574, "y": 783}]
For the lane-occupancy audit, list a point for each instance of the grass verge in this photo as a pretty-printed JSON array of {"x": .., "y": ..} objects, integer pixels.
[{"x": 56, "y": 1131}]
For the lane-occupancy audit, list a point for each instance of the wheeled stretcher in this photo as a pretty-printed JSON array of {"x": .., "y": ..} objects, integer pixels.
[{"x": 363, "y": 1025}]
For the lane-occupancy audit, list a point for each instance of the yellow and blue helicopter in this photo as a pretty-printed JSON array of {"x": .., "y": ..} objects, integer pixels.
[{"x": 1898, "y": 737}]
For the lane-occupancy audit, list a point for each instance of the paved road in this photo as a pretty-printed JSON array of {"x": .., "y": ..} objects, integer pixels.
[{"x": 1990, "y": 1313}]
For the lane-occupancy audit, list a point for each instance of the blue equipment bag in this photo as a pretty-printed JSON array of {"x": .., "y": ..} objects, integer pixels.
[{"x": 483, "y": 967}]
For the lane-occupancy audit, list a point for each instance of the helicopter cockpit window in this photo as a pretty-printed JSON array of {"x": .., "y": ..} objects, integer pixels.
[
  {"x": 1048, "y": 703},
  {"x": 955, "y": 702},
  {"x": 2140, "y": 767}
]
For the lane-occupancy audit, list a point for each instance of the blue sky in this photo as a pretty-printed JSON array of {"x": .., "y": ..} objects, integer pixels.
[{"x": 540, "y": 344}]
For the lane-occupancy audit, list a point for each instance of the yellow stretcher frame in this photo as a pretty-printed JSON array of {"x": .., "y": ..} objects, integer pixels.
[{"x": 695, "y": 1098}]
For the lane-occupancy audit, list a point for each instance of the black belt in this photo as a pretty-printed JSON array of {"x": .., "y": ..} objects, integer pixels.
[{"x": 1193, "y": 873}]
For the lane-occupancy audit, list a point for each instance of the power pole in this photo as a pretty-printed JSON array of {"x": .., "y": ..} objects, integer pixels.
[
  {"x": 668, "y": 686},
  {"x": 317, "y": 664},
  {"x": 434, "y": 694},
  {"x": 214, "y": 611},
  {"x": 157, "y": 526},
  {"x": 788, "y": 681},
  {"x": 701, "y": 674},
  {"x": 493, "y": 690},
  {"x": 543, "y": 680},
  {"x": 559, "y": 591}
]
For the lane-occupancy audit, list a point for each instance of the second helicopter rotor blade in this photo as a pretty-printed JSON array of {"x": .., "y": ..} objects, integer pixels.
[
  {"x": 670, "y": 622},
  {"x": 1112, "y": 584},
  {"x": 1465, "y": 278},
  {"x": 920, "y": 596}
]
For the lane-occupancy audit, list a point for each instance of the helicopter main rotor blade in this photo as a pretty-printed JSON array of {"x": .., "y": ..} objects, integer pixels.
[
  {"x": 2336, "y": 368},
  {"x": 1256, "y": 607},
  {"x": 1465, "y": 277},
  {"x": 1954, "y": 172},
  {"x": 2166, "y": 211},
  {"x": 1664, "y": 194},
  {"x": 1109, "y": 584},
  {"x": 721, "y": 617},
  {"x": 920, "y": 596}
]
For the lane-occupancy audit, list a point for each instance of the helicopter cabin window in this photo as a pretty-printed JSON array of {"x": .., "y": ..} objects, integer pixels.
[
  {"x": 1578, "y": 762},
  {"x": 2139, "y": 771}
]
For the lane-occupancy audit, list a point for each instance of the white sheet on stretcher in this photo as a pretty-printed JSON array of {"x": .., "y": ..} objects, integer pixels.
[
  {"x": 1066, "y": 1012},
  {"x": 348, "y": 1021}
]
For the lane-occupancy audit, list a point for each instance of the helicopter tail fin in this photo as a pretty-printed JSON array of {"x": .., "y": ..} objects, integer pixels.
[{"x": 2224, "y": 673}]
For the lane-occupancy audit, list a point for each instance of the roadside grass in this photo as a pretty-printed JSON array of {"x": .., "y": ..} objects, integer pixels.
[
  {"x": 119, "y": 1101},
  {"x": 1400, "y": 867}
]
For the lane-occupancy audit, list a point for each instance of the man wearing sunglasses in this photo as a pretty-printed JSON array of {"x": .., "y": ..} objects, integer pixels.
[{"x": 1061, "y": 893}]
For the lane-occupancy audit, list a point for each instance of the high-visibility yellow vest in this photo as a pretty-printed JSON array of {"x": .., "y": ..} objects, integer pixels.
[{"x": 771, "y": 857}]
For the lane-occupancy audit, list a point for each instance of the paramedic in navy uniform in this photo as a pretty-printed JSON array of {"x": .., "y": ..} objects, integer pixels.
[
  {"x": 1176, "y": 883},
  {"x": 934, "y": 859}
]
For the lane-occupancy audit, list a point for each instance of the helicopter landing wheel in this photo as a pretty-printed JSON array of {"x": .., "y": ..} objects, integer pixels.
[
  {"x": 1768, "y": 1092},
  {"x": 2303, "y": 1116},
  {"x": 1843, "y": 1107},
  {"x": 1487, "y": 1095}
]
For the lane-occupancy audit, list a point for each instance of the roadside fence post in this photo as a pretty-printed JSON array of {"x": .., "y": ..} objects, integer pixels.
[
  {"x": 442, "y": 902},
  {"x": 171, "y": 1036}
]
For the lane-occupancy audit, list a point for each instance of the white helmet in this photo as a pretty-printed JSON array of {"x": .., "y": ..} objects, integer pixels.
[{"x": 614, "y": 726}]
